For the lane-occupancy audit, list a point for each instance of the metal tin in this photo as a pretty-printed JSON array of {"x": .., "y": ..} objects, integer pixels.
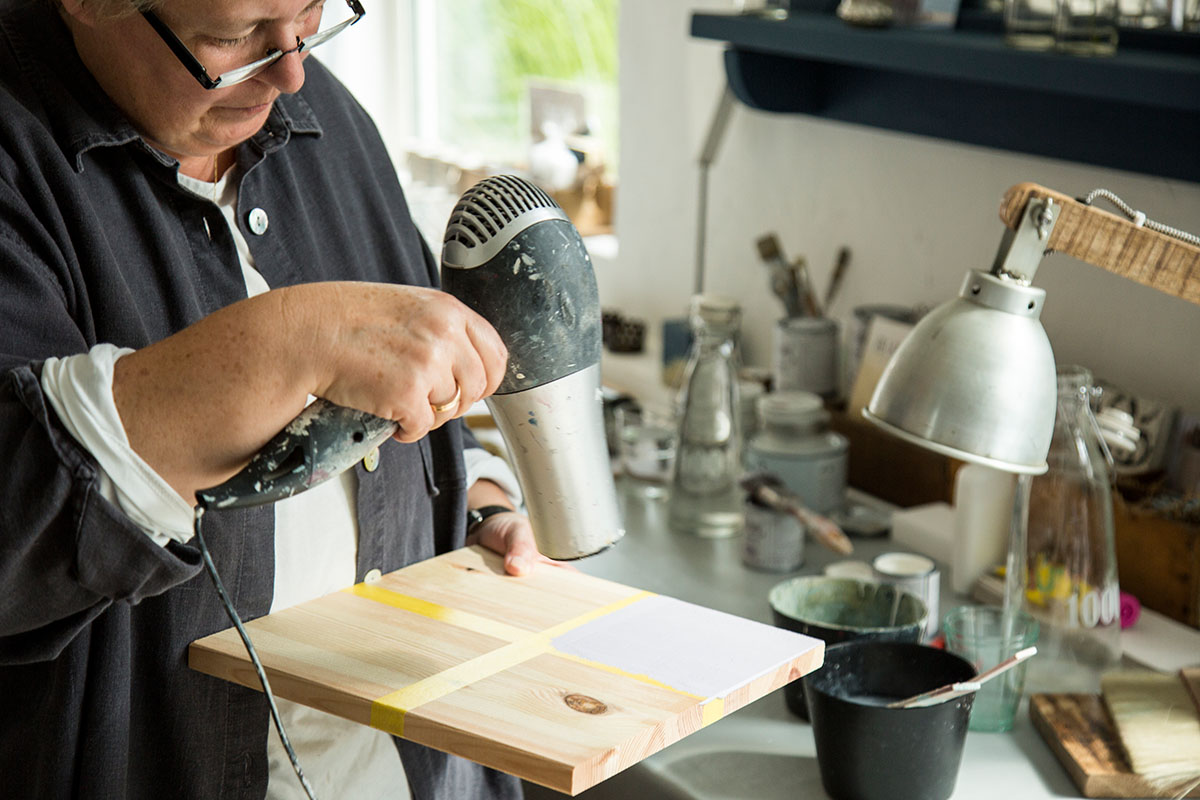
[
  {"x": 806, "y": 356},
  {"x": 916, "y": 574},
  {"x": 773, "y": 541}
]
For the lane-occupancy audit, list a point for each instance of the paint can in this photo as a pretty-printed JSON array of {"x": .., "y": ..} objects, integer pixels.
[
  {"x": 806, "y": 355},
  {"x": 773, "y": 541},
  {"x": 916, "y": 574}
]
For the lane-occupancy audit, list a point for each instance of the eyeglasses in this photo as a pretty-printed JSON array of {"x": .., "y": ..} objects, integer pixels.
[{"x": 235, "y": 76}]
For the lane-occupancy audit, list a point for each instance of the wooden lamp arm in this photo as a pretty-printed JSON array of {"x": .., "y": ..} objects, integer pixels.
[{"x": 1113, "y": 243}]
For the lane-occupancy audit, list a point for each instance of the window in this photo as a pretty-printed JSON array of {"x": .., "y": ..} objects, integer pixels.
[{"x": 488, "y": 86}]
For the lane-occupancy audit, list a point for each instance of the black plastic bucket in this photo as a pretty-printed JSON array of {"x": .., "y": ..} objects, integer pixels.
[{"x": 868, "y": 752}]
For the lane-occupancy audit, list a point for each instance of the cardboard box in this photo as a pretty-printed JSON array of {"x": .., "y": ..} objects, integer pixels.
[
  {"x": 1158, "y": 561},
  {"x": 892, "y": 469}
]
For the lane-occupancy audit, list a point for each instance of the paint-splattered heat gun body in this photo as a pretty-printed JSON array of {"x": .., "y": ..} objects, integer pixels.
[{"x": 323, "y": 441}]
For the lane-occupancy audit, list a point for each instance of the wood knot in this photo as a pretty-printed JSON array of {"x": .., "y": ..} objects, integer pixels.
[{"x": 584, "y": 704}]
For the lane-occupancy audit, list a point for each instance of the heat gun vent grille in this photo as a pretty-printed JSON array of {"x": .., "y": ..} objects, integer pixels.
[{"x": 490, "y": 205}]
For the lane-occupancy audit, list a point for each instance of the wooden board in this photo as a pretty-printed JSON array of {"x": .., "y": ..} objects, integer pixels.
[
  {"x": 1113, "y": 242},
  {"x": 560, "y": 678},
  {"x": 1191, "y": 680},
  {"x": 1080, "y": 732}
]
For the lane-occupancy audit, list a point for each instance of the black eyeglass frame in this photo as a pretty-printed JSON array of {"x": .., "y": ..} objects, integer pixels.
[{"x": 237, "y": 75}]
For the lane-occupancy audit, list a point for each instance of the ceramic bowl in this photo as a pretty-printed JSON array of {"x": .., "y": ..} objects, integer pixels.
[{"x": 843, "y": 609}]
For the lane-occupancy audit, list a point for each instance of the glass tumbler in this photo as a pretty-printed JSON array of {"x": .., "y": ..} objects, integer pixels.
[
  {"x": 647, "y": 437},
  {"x": 985, "y": 636}
]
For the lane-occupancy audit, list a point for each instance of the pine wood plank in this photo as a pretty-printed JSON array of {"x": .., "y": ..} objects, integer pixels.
[
  {"x": 559, "y": 677},
  {"x": 1113, "y": 242}
]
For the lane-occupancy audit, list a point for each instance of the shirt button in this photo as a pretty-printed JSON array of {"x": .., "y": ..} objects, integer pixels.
[
  {"x": 371, "y": 460},
  {"x": 257, "y": 220},
  {"x": 373, "y": 576}
]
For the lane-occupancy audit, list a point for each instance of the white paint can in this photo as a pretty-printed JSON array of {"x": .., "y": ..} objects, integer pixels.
[{"x": 915, "y": 574}]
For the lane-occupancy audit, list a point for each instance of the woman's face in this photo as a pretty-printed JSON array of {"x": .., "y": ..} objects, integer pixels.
[{"x": 162, "y": 99}]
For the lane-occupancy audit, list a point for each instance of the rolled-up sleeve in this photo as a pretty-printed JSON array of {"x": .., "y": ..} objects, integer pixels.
[{"x": 66, "y": 553}]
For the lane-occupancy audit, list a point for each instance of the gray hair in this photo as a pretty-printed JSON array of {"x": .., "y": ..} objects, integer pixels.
[{"x": 115, "y": 9}]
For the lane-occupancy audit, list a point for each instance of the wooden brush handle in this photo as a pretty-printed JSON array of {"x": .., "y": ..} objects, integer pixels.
[
  {"x": 825, "y": 529},
  {"x": 1112, "y": 242}
]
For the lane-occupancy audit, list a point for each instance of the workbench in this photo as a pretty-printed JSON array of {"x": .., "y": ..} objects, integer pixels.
[{"x": 763, "y": 751}]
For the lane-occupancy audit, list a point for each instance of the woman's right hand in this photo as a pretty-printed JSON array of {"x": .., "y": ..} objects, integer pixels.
[
  {"x": 198, "y": 405},
  {"x": 399, "y": 351}
]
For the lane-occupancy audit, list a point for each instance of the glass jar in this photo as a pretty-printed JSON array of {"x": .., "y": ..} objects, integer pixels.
[
  {"x": 1029, "y": 24},
  {"x": 1086, "y": 27},
  {"x": 1143, "y": 13},
  {"x": 706, "y": 498},
  {"x": 1071, "y": 565},
  {"x": 795, "y": 445}
]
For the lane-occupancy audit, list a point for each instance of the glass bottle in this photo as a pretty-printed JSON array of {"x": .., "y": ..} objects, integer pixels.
[
  {"x": 1071, "y": 565},
  {"x": 706, "y": 498}
]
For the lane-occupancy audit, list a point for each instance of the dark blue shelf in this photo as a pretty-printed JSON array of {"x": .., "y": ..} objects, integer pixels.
[{"x": 1137, "y": 110}]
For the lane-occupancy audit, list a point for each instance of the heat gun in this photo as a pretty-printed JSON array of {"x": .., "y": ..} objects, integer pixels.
[{"x": 511, "y": 254}]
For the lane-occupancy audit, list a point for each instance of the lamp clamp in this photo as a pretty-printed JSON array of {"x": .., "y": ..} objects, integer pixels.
[{"x": 1021, "y": 248}]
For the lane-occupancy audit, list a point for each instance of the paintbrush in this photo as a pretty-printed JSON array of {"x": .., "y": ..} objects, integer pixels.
[
  {"x": 839, "y": 272},
  {"x": 1159, "y": 727},
  {"x": 783, "y": 278},
  {"x": 769, "y": 491},
  {"x": 804, "y": 286},
  {"x": 953, "y": 690}
]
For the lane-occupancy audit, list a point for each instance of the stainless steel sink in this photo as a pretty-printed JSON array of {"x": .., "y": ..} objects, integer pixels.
[{"x": 758, "y": 753}]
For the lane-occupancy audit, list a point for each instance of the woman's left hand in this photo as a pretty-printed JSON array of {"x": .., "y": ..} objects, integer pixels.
[{"x": 511, "y": 535}]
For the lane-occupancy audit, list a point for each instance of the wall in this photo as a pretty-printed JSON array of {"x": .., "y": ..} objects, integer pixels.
[{"x": 915, "y": 212}]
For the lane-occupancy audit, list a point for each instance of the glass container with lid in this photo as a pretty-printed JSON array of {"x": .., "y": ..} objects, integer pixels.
[{"x": 795, "y": 444}]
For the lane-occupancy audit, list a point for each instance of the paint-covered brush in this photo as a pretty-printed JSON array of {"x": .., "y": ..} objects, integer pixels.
[
  {"x": 953, "y": 690},
  {"x": 769, "y": 491},
  {"x": 1159, "y": 727}
]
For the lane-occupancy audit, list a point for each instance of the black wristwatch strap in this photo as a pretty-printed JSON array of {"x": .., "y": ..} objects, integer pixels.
[{"x": 478, "y": 515}]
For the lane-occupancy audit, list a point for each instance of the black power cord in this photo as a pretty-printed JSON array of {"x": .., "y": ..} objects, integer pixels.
[{"x": 258, "y": 667}]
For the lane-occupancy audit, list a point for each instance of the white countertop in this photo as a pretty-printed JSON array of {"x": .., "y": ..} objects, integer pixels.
[{"x": 763, "y": 752}]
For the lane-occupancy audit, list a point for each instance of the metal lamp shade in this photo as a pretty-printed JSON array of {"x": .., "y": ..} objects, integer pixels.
[{"x": 975, "y": 379}]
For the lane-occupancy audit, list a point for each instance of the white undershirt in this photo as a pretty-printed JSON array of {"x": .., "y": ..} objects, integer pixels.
[{"x": 316, "y": 543}]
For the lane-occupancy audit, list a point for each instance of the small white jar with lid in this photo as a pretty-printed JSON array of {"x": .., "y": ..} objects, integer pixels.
[{"x": 794, "y": 443}]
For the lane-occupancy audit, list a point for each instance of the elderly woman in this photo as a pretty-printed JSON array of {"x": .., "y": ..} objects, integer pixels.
[{"x": 199, "y": 230}]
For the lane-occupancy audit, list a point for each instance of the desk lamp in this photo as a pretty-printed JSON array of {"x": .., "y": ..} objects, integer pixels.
[{"x": 975, "y": 380}]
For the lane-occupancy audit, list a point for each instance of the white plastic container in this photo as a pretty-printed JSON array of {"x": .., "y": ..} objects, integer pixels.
[{"x": 983, "y": 499}]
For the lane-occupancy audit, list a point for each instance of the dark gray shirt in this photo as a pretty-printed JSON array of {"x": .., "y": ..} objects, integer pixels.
[{"x": 99, "y": 243}]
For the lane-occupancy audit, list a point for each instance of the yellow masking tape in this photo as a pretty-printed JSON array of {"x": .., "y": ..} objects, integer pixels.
[
  {"x": 451, "y": 616},
  {"x": 387, "y": 712},
  {"x": 712, "y": 711}
]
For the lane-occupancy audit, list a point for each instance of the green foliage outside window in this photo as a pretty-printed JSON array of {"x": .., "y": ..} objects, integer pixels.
[{"x": 490, "y": 49}]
